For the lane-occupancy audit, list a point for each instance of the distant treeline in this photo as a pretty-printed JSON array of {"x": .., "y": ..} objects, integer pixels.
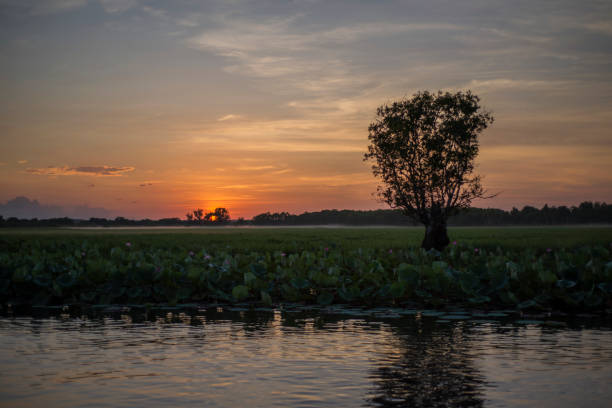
[{"x": 586, "y": 213}]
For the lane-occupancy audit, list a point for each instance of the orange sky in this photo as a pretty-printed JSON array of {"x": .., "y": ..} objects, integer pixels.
[{"x": 149, "y": 111}]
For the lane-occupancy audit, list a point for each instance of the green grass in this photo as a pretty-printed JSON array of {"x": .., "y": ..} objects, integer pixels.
[{"x": 293, "y": 239}]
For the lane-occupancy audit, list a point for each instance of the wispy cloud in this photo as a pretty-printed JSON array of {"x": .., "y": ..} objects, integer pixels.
[
  {"x": 81, "y": 171},
  {"x": 338, "y": 179},
  {"x": 517, "y": 84},
  {"x": 243, "y": 38},
  {"x": 41, "y": 7},
  {"x": 307, "y": 59},
  {"x": 604, "y": 27},
  {"x": 228, "y": 117},
  {"x": 57, "y": 6},
  {"x": 22, "y": 161},
  {"x": 330, "y": 131},
  {"x": 256, "y": 168},
  {"x": 156, "y": 12},
  {"x": 118, "y": 6}
]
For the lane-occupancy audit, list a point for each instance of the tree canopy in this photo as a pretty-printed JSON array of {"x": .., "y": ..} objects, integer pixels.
[{"x": 423, "y": 148}]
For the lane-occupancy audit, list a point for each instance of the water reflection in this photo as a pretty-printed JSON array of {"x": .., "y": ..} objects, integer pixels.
[
  {"x": 428, "y": 365},
  {"x": 270, "y": 358}
]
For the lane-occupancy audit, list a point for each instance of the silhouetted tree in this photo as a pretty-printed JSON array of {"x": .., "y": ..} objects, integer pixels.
[
  {"x": 219, "y": 215},
  {"x": 222, "y": 215},
  {"x": 424, "y": 149},
  {"x": 198, "y": 215}
]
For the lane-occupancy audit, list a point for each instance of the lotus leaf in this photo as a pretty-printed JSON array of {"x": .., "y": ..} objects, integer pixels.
[
  {"x": 565, "y": 284},
  {"x": 325, "y": 298},
  {"x": 265, "y": 298}
]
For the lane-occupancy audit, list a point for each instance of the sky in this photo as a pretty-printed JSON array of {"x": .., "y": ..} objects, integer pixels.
[{"x": 152, "y": 108}]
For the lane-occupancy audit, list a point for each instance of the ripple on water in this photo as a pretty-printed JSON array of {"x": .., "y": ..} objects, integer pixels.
[{"x": 349, "y": 357}]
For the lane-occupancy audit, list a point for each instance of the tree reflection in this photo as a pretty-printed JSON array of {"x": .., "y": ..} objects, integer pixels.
[{"x": 427, "y": 365}]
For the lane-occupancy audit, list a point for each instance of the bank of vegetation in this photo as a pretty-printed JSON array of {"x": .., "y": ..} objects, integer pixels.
[{"x": 160, "y": 269}]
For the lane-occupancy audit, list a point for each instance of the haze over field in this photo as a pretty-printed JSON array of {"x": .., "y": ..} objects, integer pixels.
[{"x": 148, "y": 108}]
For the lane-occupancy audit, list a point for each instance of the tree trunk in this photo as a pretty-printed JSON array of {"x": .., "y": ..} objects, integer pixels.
[{"x": 435, "y": 235}]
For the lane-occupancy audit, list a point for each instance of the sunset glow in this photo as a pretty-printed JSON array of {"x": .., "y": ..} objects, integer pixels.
[{"x": 142, "y": 109}]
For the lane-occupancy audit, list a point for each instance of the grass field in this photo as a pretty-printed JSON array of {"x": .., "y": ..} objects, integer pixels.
[{"x": 310, "y": 238}]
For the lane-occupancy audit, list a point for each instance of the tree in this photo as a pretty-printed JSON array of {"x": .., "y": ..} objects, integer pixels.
[
  {"x": 219, "y": 215},
  {"x": 198, "y": 215},
  {"x": 195, "y": 216},
  {"x": 423, "y": 149},
  {"x": 222, "y": 214}
]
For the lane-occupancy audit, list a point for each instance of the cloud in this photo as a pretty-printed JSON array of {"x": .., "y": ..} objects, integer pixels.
[
  {"x": 308, "y": 60},
  {"x": 239, "y": 38},
  {"x": 256, "y": 168},
  {"x": 154, "y": 12},
  {"x": 510, "y": 84},
  {"x": 22, "y": 161},
  {"x": 41, "y": 7},
  {"x": 325, "y": 131},
  {"x": 91, "y": 185},
  {"x": 80, "y": 171},
  {"x": 187, "y": 22},
  {"x": 604, "y": 27},
  {"x": 228, "y": 117},
  {"x": 338, "y": 179},
  {"x": 23, "y": 207},
  {"x": 147, "y": 184},
  {"x": 117, "y": 6}
]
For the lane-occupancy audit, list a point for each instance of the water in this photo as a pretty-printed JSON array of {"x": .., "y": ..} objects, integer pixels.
[{"x": 217, "y": 358}]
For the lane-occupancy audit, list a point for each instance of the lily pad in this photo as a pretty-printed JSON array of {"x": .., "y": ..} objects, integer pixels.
[
  {"x": 554, "y": 323},
  {"x": 529, "y": 322},
  {"x": 325, "y": 298},
  {"x": 455, "y": 317},
  {"x": 387, "y": 315},
  {"x": 237, "y": 309},
  {"x": 497, "y": 314},
  {"x": 407, "y": 312},
  {"x": 432, "y": 313},
  {"x": 565, "y": 284},
  {"x": 240, "y": 292}
]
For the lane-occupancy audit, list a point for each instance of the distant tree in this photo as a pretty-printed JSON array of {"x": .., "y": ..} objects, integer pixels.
[
  {"x": 423, "y": 149},
  {"x": 222, "y": 214},
  {"x": 198, "y": 215},
  {"x": 219, "y": 215},
  {"x": 189, "y": 217}
]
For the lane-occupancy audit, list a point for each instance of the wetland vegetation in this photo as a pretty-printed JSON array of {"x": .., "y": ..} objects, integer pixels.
[{"x": 553, "y": 268}]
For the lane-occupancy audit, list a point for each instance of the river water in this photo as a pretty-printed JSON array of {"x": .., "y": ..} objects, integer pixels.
[{"x": 220, "y": 358}]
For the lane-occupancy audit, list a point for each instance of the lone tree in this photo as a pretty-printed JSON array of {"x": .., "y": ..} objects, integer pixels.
[{"x": 423, "y": 149}]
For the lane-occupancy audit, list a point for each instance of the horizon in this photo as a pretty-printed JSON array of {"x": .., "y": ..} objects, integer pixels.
[
  {"x": 22, "y": 208},
  {"x": 137, "y": 109}
]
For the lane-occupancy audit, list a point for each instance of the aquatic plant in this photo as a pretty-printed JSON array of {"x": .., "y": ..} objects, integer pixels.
[{"x": 89, "y": 271}]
